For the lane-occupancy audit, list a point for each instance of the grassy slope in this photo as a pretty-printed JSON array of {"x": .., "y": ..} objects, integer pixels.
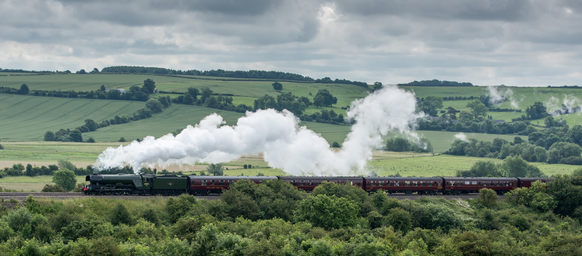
[{"x": 26, "y": 118}]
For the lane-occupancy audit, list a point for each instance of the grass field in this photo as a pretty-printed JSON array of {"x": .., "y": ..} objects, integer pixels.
[
  {"x": 29, "y": 184},
  {"x": 410, "y": 164},
  {"x": 249, "y": 89},
  {"x": 27, "y": 118}
]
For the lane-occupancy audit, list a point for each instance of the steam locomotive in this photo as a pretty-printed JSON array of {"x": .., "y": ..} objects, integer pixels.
[{"x": 148, "y": 184}]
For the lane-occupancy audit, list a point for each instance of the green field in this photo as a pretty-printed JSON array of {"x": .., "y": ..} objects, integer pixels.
[
  {"x": 29, "y": 184},
  {"x": 411, "y": 164},
  {"x": 240, "y": 87}
]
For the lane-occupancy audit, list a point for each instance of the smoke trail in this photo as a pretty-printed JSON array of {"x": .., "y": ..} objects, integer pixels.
[
  {"x": 461, "y": 136},
  {"x": 497, "y": 95},
  {"x": 284, "y": 144},
  {"x": 568, "y": 105}
]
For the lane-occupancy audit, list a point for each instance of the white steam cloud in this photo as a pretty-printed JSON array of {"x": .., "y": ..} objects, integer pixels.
[
  {"x": 568, "y": 105},
  {"x": 284, "y": 144},
  {"x": 461, "y": 136},
  {"x": 498, "y": 95}
]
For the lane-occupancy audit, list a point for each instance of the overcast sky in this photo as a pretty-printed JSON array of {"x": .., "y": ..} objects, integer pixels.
[{"x": 493, "y": 42}]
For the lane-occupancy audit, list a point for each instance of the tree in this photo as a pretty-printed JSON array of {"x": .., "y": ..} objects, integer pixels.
[
  {"x": 76, "y": 136},
  {"x": 265, "y": 102},
  {"x": 536, "y": 111},
  {"x": 323, "y": 98},
  {"x": 478, "y": 109},
  {"x": 120, "y": 215},
  {"x": 193, "y": 92},
  {"x": 82, "y": 72},
  {"x": 515, "y": 166},
  {"x": 215, "y": 169},
  {"x": 149, "y": 86},
  {"x": 95, "y": 71},
  {"x": 49, "y": 136},
  {"x": 65, "y": 179},
  {"x": 206, "y": 93},
  {"x": 431, "y": 105},
  {"x": 488, "y": 197},
  {"x": 327, "y": 211},
  {"x": 154, "y": 105},
  {"x": 91, "y": 125},
  {"x": 575, "y": 134},
  {"x": 277, "y": 86},
  {"x": 23, "y": 89},
  {"x": 559, "y": 151}
]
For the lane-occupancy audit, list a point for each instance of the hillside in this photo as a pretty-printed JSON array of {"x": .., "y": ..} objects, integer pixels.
[{"x": 27, "y": 118}]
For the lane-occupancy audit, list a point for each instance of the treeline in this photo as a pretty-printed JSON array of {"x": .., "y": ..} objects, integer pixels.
[
  {"x": 134, "y": 93},
  {"x": 551, "y": 146},
  {"x": 405, "y": 145},
  {"x": 206, "y": 97},
  {"x": 274, "y": 218},
  {"x": 31, "y": 171},
  {"x": 513, "y": 166},
  {"x": 252, "y": 74},
  {"x": 287, "y": 100},
  {"x": 436, "y": 82},
  {"x": 152, "y": 106}
]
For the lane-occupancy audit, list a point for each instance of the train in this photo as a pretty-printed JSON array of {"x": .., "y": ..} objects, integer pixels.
[{"x": 149, "y": 184}]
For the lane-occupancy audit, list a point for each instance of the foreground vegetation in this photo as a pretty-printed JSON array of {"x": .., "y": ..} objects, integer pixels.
[{"x": 276, "y": 219}]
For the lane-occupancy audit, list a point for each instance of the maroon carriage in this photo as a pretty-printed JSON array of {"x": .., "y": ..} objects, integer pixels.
[
  {"x": 526, "y": 182},
  {"x": 457, "y": 185},
  {"x": 308, "y": 183},
  {"x": 216, "y": 184},
  {"x": 409, "y": 185}
]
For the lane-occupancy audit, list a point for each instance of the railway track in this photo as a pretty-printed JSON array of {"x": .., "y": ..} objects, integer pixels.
[{"x": 20, "y": 196}]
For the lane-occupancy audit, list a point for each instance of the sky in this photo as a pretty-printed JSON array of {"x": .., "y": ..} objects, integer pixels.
[{"x": 511, "y": 42}]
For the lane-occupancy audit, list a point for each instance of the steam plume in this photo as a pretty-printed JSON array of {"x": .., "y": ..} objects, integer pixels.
[
  {"x": 497, "y": 95},
  {"x": 284, "y": 144},
  {"x": 568, "y": 105},
  {"x": 461, "y": 136}
]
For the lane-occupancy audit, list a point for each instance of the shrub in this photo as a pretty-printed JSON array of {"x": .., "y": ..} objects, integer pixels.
[
  {"x": 120, "y": 215},
  {"x": 327, "y": 211},
  {"x": 65, "y": 178},
  {"x": 399, "y": 219},
  {"x": 52, "y": 188},
  {"x": 488, "y": 197}
]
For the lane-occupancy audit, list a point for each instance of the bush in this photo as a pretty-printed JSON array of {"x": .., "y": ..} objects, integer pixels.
[
  {"x": 399, "y": 219},
  {"x": 488, "y": 197},
  {"x": 52, "y": 188},
  {"x": 120, "y": 215},
  {"x": 327, "y": 211},
  {"x": 1, "y": 147},
  {"x": 65, "y": 178}
]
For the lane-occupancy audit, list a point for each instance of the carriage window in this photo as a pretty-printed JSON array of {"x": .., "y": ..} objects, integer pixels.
[
  {"x": 473, "y": 183},
  {"x": 407, "y": 183},
  {"x": 467, "y": 182}
]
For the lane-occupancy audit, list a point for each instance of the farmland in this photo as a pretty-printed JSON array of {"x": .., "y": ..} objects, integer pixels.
[{"x": 27, "y": 118}]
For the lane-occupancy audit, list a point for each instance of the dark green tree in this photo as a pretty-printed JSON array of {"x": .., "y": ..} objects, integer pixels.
[
  {"x": 323, "y": 98},
  {"x": 277, "y": 86},
  {"x": 149, "y": 86},
  {"x": 23, "y": 89},
  {"x": 536, "y": 111},
  {"x": 65, "y": 178},
  {"x": 327, "y": 211},
  {"x": 120, "y": 215},
  {"x": 478, "y": 109},
  {"x": 154, "y": 105},
  {"x": 49, "y": 136},
  {"x": 431, "y": 105}
]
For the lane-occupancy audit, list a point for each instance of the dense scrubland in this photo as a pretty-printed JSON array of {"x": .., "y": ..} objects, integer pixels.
[{"x": 274, "y": 218}]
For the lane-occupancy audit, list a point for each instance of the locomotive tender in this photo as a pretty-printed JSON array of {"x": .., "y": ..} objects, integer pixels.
[{"x": 148, "y": 184}]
